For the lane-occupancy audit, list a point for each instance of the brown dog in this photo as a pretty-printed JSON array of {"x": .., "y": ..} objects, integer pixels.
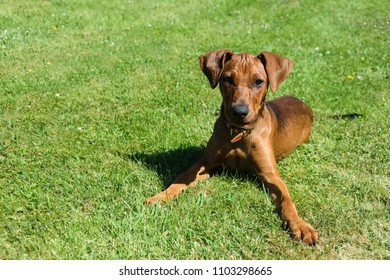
[{"x": 251, "y": 134}]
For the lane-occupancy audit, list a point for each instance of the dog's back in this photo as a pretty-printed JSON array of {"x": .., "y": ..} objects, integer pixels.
[{"x": 293, "y": 124}]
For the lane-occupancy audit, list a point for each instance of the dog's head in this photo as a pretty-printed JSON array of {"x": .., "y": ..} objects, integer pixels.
[{"x": 244, "y": 80}]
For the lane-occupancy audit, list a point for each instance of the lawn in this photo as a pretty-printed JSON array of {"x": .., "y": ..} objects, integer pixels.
[{"x": 103, "y": 103}]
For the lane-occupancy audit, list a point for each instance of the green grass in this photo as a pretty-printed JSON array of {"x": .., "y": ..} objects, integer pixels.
[{"x": 102, "y": 104}]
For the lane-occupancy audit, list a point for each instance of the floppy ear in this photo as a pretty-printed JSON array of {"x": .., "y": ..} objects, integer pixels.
[
  {"x": 277, "y": 68},
  {"x": 212, "y": 64}
]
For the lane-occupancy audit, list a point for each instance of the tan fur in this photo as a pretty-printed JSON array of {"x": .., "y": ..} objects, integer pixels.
[{"x": 272, "y": 129}]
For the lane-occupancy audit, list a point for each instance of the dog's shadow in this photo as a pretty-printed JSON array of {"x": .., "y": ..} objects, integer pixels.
[{"x": 168, "y": 164}]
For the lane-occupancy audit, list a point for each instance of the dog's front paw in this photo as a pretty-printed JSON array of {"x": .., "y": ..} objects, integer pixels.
[
  {"x": 152, "y": 200},
  {"x": 160, "y": 199},
  {"x": 300, "y": 230},
  {"x": 170, "y": 193}
]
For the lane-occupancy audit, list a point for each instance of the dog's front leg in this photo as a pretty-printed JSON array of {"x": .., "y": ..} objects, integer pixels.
[
  {"x": 269, "y": 174},
  {"x": 197, "y": 172},
  {"x": 295, "y": 225}
]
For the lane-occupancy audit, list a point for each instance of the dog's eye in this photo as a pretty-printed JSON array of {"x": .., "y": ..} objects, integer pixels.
[
  {"x": 258, "y": 83},
  {"x": 228, "y": 80}
]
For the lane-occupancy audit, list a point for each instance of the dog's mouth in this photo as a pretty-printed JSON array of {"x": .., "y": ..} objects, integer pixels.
[
  {"x": 243, "y": 123},
  {"x": 239, "y": 116}
]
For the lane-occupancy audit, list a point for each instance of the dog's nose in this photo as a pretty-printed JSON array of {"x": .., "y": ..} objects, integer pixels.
[{"x": 240, "y": 111}]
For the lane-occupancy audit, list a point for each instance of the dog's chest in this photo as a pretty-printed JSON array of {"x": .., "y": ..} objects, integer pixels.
[{"x": 237, "y": 159}]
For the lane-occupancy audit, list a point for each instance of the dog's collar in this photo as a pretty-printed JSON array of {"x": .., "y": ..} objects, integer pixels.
[{"x": 241, "y": 134}]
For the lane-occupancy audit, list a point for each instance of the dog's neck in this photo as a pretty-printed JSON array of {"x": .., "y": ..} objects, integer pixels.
[
  {"x": 239, "y": 133},
  {"x": 242, "y": 133}
]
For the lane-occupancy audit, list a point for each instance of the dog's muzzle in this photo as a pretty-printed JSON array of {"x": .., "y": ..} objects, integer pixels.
[{"x": 240, "y": 112}]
